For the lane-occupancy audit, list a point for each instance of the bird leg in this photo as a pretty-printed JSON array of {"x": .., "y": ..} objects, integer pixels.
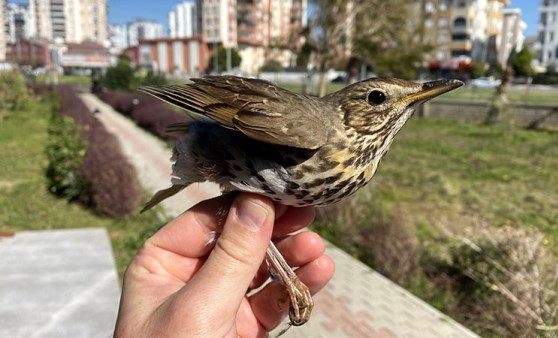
[{"x": 301, "y": 303}]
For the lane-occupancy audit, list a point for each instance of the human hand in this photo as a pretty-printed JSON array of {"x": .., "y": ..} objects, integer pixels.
[{"x": 178, "y": 285}]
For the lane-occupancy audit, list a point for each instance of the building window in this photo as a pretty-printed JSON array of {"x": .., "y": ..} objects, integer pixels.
[
  {"x": 430, "y": 7},
  {"x": 460, "y": 37},
  {"x": 461, "y": 3},
  {"x": 442, "y": 23},
  {"x": 460, "y": 22}
]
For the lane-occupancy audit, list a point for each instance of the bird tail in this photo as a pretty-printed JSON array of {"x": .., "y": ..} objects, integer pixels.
[{"x": 162, "y": 195}]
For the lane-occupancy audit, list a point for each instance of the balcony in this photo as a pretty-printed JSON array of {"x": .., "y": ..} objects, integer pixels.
[{"x": 461, "y": 45}]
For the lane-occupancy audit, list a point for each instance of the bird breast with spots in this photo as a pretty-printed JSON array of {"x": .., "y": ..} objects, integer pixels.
[{"x": 290, "y": 176}]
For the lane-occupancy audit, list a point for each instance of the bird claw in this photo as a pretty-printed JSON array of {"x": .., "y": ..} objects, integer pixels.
[
  {"x": 301, "y": 305},
  {"x": 300, "y": 299}
]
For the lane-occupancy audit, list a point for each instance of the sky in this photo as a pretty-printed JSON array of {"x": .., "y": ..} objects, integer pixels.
[{"x": 123, "y": 11}]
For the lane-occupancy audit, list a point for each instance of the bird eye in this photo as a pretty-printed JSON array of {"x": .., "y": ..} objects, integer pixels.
[{"x": 376, "y": 97}]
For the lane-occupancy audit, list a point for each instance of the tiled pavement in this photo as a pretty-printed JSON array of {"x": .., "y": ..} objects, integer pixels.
[{"x": 358, "y": 302}]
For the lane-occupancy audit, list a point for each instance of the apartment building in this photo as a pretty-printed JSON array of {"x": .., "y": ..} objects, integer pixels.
[
  {"x": 512, "y": 36},
  {"x": 269, "y": 29},
  {"x": 118, "y": 36},
  {"x": 19, "y": 24},
  {"x": 69, "y": 20},
  {"x": 183, "y": 20},
  {"x": 218, "y": 21},
  {"x": 547, "y": 46},
  {"x": 143, "y": 29},
  {"x": 3, "y": 29},
  {"x": 463, "y": 29}
]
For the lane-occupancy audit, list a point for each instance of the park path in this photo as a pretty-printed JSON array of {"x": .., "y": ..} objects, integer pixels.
[{"x": 358, "y": 302}]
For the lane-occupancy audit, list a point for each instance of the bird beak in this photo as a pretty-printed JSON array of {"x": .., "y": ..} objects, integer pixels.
[{"x": 432, "y": 89}]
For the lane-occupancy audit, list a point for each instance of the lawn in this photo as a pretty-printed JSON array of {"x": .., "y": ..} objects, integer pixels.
[
  {"x": 444, "y": 181},
  {"x": 516, "y": 95},
  {"x": 26, "y": 204},
  {"x": 454, "y": 175}
]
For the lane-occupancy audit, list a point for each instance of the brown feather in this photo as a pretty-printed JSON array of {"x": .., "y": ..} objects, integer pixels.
[
  {"x": 162, "y": 195},
  {"x": 256, "y": 108}
]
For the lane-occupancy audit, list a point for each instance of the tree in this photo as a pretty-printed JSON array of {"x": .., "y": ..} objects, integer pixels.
[
  {"x": 522, "y": 62},
  {"x": 272, "y": 65},
  {"x": 13, "y": 92},
  {"x": 327, "y": 33},
  {"x": 387, "y": 38},
  {"x": 121, "y": 76},
  {"x": 303, "y": 55},
  {"x": 222, "y": 59},
  {"x": 367, "y": 32}
]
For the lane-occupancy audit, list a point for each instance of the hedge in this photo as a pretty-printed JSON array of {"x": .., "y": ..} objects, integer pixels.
[
  {"x": 148, "y": 112},
  {"x": 111, "y": 184}
]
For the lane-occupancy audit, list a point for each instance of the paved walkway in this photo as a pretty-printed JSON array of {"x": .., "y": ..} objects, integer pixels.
[
  {"x": 358, "y": 302},
  {"x": 58, "y": 283}
]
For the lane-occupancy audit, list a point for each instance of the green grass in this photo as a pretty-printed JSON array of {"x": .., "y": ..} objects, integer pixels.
[
  {"x": 517, "y": 96},
  {"x": 297, "y": 87},
  {"x": 26, "y": 204},
  {"x": 455, "y": 175},
  {"x": 70, "y": 79}
]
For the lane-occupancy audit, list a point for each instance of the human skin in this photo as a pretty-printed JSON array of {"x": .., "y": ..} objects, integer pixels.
[{"x": 181, "y": 285}]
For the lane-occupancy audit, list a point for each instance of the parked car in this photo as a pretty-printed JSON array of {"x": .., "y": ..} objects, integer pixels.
[{"x": 485, "y": 82}]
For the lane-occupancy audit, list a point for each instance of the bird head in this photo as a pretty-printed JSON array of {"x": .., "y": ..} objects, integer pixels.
[{"x": 383, "y": 105}]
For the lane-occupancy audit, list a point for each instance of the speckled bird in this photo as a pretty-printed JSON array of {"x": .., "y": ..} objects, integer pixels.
[{"x": 298, "y": 150}]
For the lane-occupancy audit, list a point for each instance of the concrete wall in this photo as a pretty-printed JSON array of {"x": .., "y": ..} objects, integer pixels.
[{"x": 527, "y": 115}]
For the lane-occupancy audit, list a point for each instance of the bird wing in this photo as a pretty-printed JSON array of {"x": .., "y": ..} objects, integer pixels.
[{"x": 257, "y": 108}]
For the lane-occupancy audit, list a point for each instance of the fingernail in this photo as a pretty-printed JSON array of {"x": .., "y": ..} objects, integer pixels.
[{"x": 251, "y": 214}]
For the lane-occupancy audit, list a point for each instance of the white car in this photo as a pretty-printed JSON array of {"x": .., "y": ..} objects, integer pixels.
[{"x": 485, "y": 82}]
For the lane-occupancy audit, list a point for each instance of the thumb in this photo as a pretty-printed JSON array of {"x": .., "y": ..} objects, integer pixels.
[{"x": 238, "y": 252}]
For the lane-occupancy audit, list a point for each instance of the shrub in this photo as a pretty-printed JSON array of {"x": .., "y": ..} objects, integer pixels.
[
  {"x": 65, "y": 151},
  {"x": 153, "y": 79},
  {"x": 13, "y": 93},
  {"x": 506, "y": 283},
  {"x": 112, "y": 185},
  {"x": 148, "y": 112},
  {"x": 121, "y": 76},
  {"x": 367, "y": 229}
]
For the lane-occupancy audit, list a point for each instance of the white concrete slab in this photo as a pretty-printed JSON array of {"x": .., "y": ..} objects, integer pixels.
[{"x": 60, "y": 283}]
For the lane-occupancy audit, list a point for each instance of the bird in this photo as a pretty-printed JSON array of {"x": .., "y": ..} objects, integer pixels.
[{"x": 250, "y": 135}]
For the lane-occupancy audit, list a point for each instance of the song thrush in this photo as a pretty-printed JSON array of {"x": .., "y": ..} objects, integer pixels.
[{"x": 298, "y": 150}]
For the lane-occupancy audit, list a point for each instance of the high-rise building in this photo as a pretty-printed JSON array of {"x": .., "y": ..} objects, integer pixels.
[
  {"x": 143, "y": 29},
  {"x": 19, "y": 24},
  {"x": 270, "y": 22},
  {"x": 3, "y": 29},
  {"x": 512, "y": 37},
  {"x": 268, "y": 29},
  {"x": 463, "y": 29},
  {"x": 183, "y": 20},
  {"x": 547, "y": 47},
  {"x": 70, "y": 20},
  {"x": 118, "y": 36},
  {"x": 218, "y": 21}
]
